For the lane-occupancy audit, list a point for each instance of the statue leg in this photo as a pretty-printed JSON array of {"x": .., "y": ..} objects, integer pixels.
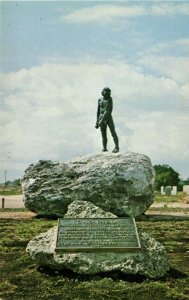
[
  {"x": 104, "y": 137},
  {"x": 114, "y": 134}
]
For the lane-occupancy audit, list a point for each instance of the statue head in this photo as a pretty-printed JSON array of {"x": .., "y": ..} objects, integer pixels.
[{"x": 106, "y": 92}]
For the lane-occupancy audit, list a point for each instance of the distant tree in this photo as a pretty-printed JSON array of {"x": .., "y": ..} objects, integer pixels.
[
  {"x": 182, "y": 183},
  {"x": 16, "y": 182},
  {"x": 165, "y": 175}
]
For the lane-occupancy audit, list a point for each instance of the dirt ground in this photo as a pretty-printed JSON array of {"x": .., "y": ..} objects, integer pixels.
[
  {"x": 12, "y": 201},
  {"x": 170, "y": 205},
  {"x": 16, "y": 215}
]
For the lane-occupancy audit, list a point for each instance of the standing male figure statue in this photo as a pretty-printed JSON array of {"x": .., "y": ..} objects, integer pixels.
[{"x": 104, "y": 119}]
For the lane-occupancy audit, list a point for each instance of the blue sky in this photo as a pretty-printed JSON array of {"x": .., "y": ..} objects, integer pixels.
[
  {"x": 33, "y": 31},
  {"x": 56, "y": 56}
]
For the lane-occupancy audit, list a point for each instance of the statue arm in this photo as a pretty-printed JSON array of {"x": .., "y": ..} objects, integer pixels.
[
  {"x": 98, "y": 110},
  {"x": 98, "y": 114}
]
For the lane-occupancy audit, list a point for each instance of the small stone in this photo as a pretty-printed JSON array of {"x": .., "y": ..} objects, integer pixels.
[{"x": 151, "y": 261}]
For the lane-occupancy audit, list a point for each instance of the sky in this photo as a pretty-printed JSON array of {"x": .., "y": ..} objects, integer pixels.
[{"x": 57, "y": 56}]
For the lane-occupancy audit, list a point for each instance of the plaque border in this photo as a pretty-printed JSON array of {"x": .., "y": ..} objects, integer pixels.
[{"x": 99, "y": 249}]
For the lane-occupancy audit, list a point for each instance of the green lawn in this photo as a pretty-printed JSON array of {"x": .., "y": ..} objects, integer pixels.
[
  {"x": 22, "y": 279},
  {"x": 10, "y": 191},
  {"x": 175, "y": 198}
]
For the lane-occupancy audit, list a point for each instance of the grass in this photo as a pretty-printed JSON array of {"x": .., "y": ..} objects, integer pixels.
[
  {"x": 167, "y": 209},
  {"x": 7, "y": 191},
  {"x": 175, "y": 198},
  {"x": 22, "y": 279},
  {"x": 14, "y": 209}
]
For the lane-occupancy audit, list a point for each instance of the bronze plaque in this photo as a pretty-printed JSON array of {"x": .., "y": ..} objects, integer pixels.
[{"x": 102, "y": 234}]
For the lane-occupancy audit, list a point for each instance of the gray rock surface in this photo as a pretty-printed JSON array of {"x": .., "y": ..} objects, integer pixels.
[
  {"x": 120, "y": 183},
  {"x": 151, "y": 262}
]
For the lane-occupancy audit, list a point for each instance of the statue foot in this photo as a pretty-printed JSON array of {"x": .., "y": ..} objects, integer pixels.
[
  {"x": 116, "y": 150},
  {"x": 104, "y": 150}
]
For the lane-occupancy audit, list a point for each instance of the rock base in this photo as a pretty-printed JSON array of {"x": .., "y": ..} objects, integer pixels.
[{"x": 151, "y": 261}]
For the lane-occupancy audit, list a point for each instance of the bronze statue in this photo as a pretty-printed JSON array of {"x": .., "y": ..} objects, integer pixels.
[{"x": 104, "y": 119}]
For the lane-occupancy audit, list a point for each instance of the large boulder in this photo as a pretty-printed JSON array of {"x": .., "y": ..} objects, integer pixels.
[
  {"x": 120, "y": 183},
  {"x": 151, "y": 261}
]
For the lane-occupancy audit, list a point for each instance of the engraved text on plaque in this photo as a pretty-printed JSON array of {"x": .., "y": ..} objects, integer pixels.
[{"x": 103, "y": 234}]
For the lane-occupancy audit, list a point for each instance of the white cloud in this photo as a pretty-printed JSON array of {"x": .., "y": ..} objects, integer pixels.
[
  {"x": 171, "y": 67},
  {"x": 179, "y": 45},
  {"x": 102, "y": 13},
  {"x": 163, "y": 137},
  {"x": 49, "y": 112},
  {"x": 163, "y": 60},
  {"x": 106, "y": 13},
  {"x": 163, "y": 129}
]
